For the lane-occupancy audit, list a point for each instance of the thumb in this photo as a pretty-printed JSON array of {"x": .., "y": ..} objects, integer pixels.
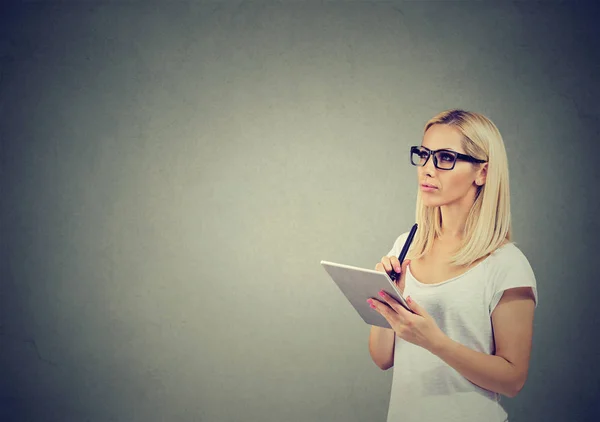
[
  {"x": 401, "y": 280},
  {"x": 404, "y": 265},
  {"x": 418, "y": 309}
]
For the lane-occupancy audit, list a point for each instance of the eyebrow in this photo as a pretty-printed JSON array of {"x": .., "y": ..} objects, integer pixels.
[{"x": 449, "y": 149}]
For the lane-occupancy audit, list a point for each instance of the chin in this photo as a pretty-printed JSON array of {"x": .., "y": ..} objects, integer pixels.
[{"x": 432, "y": 203}]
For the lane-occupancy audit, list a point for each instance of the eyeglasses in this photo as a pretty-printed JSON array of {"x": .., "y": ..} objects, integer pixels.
[{"x": 443, "y": 159}]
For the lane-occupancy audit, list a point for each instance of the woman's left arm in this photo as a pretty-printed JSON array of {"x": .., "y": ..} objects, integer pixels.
[{"x": 504, "y": 372}]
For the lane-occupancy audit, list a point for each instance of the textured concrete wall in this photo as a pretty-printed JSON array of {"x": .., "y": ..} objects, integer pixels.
[{"x": 173, "y": 173}]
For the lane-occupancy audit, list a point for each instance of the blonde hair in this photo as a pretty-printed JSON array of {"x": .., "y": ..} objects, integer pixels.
[{"x": 488, "y": 224}]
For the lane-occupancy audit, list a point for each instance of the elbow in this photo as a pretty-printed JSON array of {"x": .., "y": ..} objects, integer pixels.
[
  {"x": 515, "y": 387},
  {"x": 383, "y": 362},
  {"x": 385, "y": 365}
]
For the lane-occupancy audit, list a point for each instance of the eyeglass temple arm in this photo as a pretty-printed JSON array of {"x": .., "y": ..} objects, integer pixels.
[{"x": 469, "y": 158}]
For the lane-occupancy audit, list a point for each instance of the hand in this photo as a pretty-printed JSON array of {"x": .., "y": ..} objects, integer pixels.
[
  {"x": 418, "y": 328},
  {"x": 391, "y": 263}
]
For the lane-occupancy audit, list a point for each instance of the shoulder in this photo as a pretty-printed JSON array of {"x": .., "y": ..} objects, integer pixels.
[
  {"x": 508, "y": 268},
  {"x": 509, "y": 256}
]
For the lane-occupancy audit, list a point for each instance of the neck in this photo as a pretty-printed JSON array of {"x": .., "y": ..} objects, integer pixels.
[{"x": 454, "y": 219}]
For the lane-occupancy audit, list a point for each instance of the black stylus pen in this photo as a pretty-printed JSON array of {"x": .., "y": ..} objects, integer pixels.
[{"x": 394, "y": 275}]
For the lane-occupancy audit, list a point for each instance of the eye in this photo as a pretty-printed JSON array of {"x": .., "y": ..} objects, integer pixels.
[
  {"x": 446, "y": 156},
  {"x": 423, "y": 154}
]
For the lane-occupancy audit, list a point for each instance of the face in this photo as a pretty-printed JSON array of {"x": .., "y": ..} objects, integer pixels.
[{"x": 456, "y": 186}]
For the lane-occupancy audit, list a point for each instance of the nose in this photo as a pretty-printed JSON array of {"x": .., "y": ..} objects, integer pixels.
[{"x": 429, "y": 167}]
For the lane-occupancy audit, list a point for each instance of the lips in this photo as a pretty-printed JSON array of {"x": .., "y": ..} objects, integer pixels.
[{"x": 426, "y": 185}]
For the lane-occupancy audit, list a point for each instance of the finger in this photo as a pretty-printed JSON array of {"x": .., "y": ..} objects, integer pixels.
[
  {"x": 417, "y": 309},
  {"x": 384, "y": 311},
  {"x": 404, "y": 265},
  {"x": 400, "y": 280},
  {"x": 393, "y": 303},
  {"x": 395, "y": 264},
  {"x": 380, "y": 307},
  {"x": 403, "y": 270},
  {"x": 385, "y": 261},
  {"x": 404, "y": 313},
  {"x": 379, "y": 267}
]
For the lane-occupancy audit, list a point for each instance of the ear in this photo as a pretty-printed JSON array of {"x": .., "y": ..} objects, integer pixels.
[{"x": 481, "y": 175}]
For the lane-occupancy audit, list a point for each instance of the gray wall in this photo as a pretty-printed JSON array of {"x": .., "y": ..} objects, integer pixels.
[{"x": 173, "y": 173}]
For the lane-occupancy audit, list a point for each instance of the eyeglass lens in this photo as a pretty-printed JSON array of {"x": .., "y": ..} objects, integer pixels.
[{"x": 443, "y": 159}]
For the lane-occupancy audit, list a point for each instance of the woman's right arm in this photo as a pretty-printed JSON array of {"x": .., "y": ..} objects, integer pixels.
[
  {"x": 381, "y": 346},
  {"x": 382, "y": 340}
]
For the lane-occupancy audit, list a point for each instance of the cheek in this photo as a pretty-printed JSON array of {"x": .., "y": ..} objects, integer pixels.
[
  {"x": 457, "y": 188},
  {"x": 453, "y": 187},
  {"x": 458, "y": 183}
]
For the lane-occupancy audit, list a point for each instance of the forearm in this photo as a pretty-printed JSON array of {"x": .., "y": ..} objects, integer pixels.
[
  {"x": 381, "y": 346},
  {"x": 491, "y": 372}
]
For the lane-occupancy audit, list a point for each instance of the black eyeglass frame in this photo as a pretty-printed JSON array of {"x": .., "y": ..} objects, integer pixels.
[{"x": 458, "y": 156}]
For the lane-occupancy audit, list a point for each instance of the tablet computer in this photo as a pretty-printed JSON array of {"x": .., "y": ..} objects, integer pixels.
[{"x": 360, "y": 284}]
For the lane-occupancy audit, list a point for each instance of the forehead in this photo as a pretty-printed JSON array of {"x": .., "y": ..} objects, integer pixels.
[{"x": 443, "y": 137}]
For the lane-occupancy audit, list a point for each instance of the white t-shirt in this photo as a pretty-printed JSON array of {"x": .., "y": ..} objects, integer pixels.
[{"x": 424, "y": 387}]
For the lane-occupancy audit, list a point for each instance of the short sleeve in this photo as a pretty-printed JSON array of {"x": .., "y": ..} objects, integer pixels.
[
  {"x": 398, "y": 244},
  {"x": 511, "y": 269}
]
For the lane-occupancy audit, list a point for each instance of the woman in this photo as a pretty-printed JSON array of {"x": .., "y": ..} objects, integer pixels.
[{"x": 472, "y": 291}]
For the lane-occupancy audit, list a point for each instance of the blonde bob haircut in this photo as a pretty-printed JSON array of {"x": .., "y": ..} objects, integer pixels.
[{"x": 488, "y": 223}]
